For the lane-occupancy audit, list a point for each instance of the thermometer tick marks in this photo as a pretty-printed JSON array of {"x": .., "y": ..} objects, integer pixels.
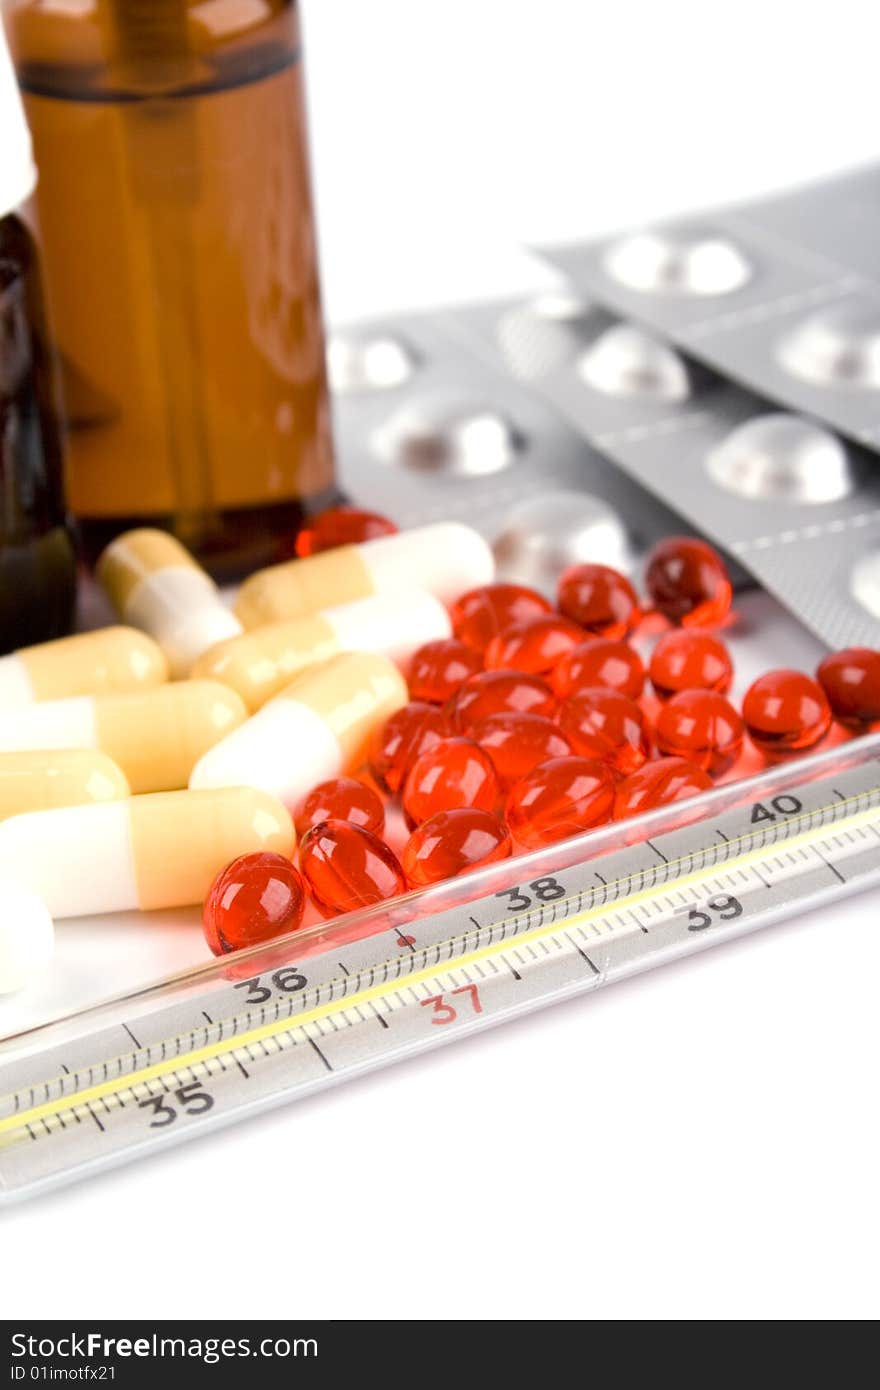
[
  {"x": 583, "y": 955},
  {"x": 828, "y": 864}
]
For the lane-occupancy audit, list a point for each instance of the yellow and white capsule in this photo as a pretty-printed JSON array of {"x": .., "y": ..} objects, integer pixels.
[
  {"x": 156, "y": 738},
  {"x": 147, "y": 852},
  {"x": 113, "y": 659},
  {"x": 446, "y": 559},
  {"x": 261, "y": 663},
  {"x": 41, "y": 778},
  {"x": 319, "y": 726},
  {"x": 154, "y": 583}
]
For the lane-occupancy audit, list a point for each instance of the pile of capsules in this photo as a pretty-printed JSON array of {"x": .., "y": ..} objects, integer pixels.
[{"x": 380, "y": 680}]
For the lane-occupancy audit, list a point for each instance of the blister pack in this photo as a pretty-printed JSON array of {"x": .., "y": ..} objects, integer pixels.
[
  {"x": 796, "y": 506},
  {"x": 430, "y": 426},
  {"x": 781, "y": 294}
]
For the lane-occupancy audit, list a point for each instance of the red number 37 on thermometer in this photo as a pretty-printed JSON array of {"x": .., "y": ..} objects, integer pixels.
[{"x": 444, "y": 1012}]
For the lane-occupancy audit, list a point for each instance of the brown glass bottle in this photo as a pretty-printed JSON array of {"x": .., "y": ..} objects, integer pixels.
[{"x": 179, "y": 247}]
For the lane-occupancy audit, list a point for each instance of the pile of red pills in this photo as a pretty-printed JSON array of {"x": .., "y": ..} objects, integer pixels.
[{"x": 534, "y": 724}]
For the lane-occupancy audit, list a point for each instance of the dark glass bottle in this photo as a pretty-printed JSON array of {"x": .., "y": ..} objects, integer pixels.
[{"x": 37, "y": 559}]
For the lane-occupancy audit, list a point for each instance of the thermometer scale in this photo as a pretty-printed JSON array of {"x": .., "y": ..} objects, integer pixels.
[{"x": 267, "y": 1026}]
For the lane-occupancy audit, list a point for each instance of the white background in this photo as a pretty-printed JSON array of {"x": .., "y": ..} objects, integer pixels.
[{"x": 700, "y": 1143}]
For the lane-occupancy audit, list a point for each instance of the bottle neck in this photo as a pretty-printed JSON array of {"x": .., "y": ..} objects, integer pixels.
[{"x": 129, "y": 50}]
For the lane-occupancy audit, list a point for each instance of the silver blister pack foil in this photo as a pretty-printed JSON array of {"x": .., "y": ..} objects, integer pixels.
[
  {"x": 796, "y": 505},
  {"x": 781, "y": 294},
  {"x": 430, "y": 425}
]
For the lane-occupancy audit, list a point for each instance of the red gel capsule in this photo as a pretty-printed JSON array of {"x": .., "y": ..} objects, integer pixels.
[
  {"x": 454, "y": 773},
  {"x": 403, "y": 737},
  {"x": 688, "y": 582},
  {"x": 785, "y": 711},
  {"x": 606, "y": 725},
  {"x": 439, "y": 668},
  {"x": 346, "y": 867},
  {"x": 481, "y": 614},
  {"x": 341, "y": 798},
  {"x": 254, "y": 899},
  {"x": 701, "y": 726},
  {"x": 518, "y": 742},
  {"x": 452, "y": 843},
  {"x": 493, "y": 692},
  {"x": 558, "y": 799},
  {"x": 341, "y": 526},
  {"x": 851, "y": 681},
  {"x": 689, "y": 660},
  {"x": 536, "y": 645},
  {"x": 600, "y": 661},
  {"x": 601, "y": 599},
  {"x": 659, "y": 783}
]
